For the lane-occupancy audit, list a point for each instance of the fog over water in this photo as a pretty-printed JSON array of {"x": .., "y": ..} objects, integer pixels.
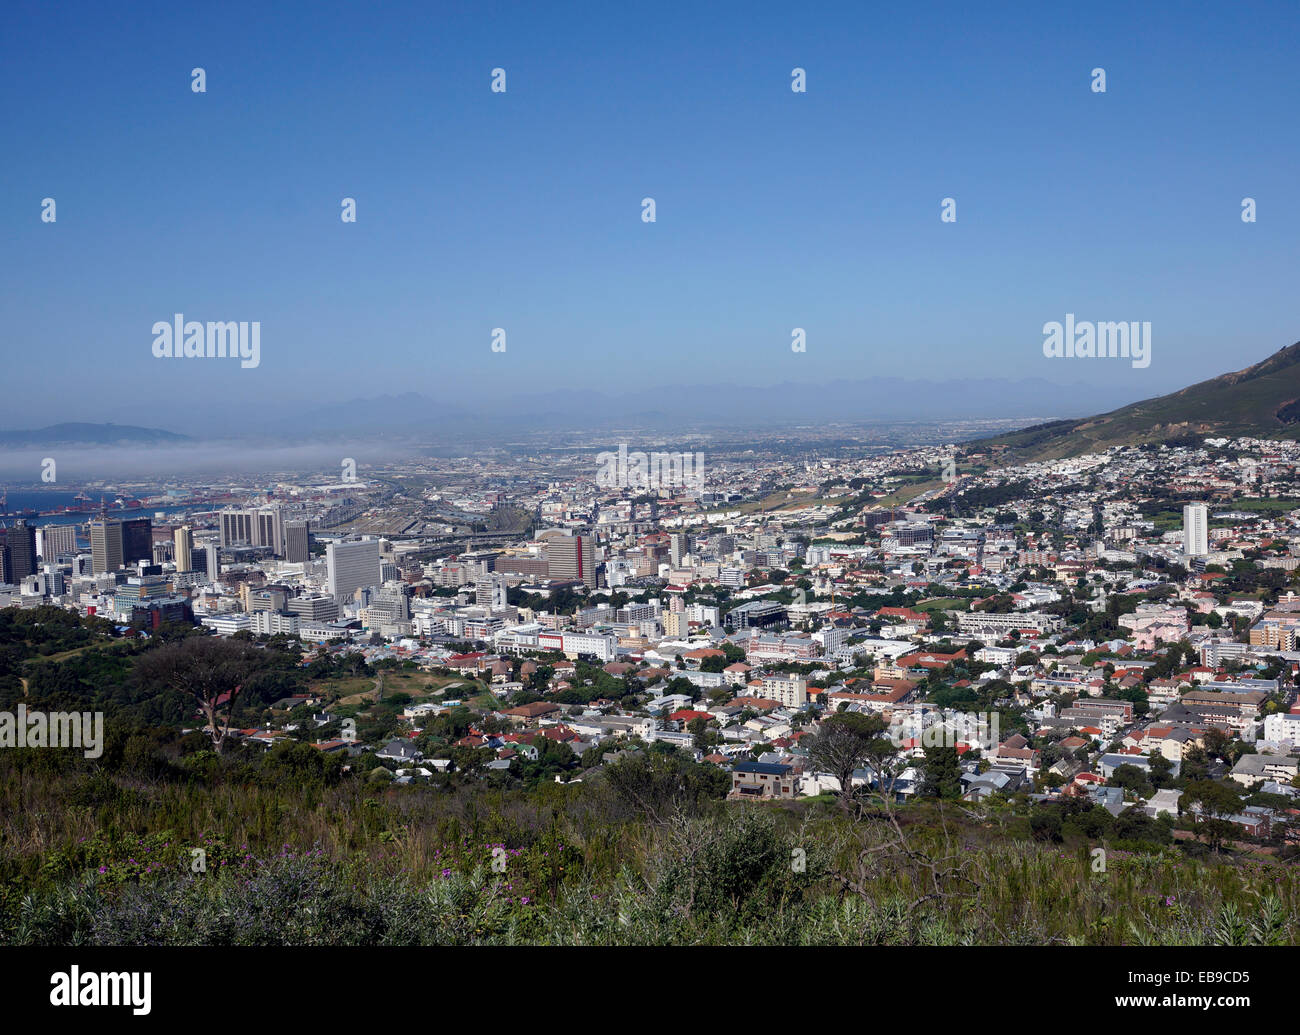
[{"x": 75, "y": 465}]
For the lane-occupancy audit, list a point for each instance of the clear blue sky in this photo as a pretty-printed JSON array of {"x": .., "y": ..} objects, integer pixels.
[{"x": 479, "y": 210}]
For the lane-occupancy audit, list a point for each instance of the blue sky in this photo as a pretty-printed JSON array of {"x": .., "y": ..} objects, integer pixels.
[{"x": 522, "y": 210}]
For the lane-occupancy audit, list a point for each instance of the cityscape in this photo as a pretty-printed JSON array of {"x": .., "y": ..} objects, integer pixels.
[{"x": 534, "y": 561}]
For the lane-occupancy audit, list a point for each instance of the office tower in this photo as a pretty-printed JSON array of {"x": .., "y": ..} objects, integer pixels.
[
  {"x": 137, "y": 540},
  {"x": 261, "y": 527},
  {"x": 4, "y": 557},
  {"x": 162, "y": 551},
  {"x": 572, "y": 558},
  {"x": 490, "y": 592},
  {"x": 236, "y": 528},
  {"x": 268, "y": 530},
  {"x": 1195, "y": 530},
  {"x": 389, "y": 607},
  {"x": 268, "y": 598},
  {"x": 351, "y": 566},
  {"x": 52, "y": 581},
  {"x": 183, "y": 548},
  {"x": 212, "y": 562},
  {"x": 105, "y": 545},
  {"x": 297, "y": 542},
  {"x": 22, "y": 551},
  {"x": 679, "y": 545},
  {"x": 318, "y": 608},
  {"x": 58, "y": 541}
]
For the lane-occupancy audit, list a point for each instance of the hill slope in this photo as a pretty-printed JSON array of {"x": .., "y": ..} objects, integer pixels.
[
  {"x": 1262, "y": 401},
  {"x": 91, "y": 434}
]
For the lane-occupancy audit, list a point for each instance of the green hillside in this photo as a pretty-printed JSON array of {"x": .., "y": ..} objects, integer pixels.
[{"x": 1262, "y": 401}]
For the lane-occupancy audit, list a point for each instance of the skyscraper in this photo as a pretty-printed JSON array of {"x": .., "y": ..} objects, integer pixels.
[
  {"x": 679, "y": 545},
  {"x": 105, "y": 545},
  {"x": 268, "y": 530},
  {"x": 261, "y": 527},
  {"x": 58, "y": 541},
  {"x": 572, "y": 558},
  {"x": 22, "y": 551},
  {"x": 352, "y": 566},
  {"x": 137, "y": 540},
  {"x": 236, "y": 527},
  {"x": 297, "y": 542},
  {"x": 183, "y": 548},
  {"x": 1195, "y": 530}
]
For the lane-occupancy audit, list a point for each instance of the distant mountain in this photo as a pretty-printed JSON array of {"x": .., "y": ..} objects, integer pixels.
[
  {"x": 91, "y": 434},
  {"x": 668, "y": 407},
  {"x": 1261, "y": 401}
]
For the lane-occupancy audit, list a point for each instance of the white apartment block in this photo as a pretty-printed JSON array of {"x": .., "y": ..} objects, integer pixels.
[{"x": 791, "y": 691}]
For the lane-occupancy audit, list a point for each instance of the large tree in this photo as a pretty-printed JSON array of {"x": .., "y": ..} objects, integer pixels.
[
  {"x": 1213, "y": 801},
  {"x": 845, "y": 742},
  {"x": 210, "y": 669}
]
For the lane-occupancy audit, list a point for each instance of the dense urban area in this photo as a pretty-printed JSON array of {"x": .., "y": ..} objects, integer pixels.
[{"x": 932, "y": 694}]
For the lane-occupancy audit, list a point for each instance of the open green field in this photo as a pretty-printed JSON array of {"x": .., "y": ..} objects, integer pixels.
[
  {"x": 944, "y": 604},
  {"x": 420, "y": 685}
]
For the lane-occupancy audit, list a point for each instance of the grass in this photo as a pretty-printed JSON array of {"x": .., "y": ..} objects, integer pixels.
[
  {"x": 354, "y": 864},
  {"x": 944, "y": 604}
]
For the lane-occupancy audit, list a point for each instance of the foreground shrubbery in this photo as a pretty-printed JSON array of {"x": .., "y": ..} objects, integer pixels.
[{"x": 91, "y": 861}]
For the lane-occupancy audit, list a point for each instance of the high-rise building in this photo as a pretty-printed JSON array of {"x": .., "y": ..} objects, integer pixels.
[
  {"x": 137, "y": 540},
  {"x": 268, "y": 530},
  {"x": 57, "y": 541},
  {"x": 183, "y": 548},
  {"x": 297, "y": 542},
  {"x": 162, "y": 551},
  {"x": 351, "y": 566},
  {"x": 105, "y": 545},
  {"x": 572, "y": 558},
  {"x": 236, "y": 527},
  {"x": 212, "y": 561},
  {"x": 1195, "y": 530},
  {"x": 261, "y": 527},
  {"x": 491, "y": 592},
  {"x": 22, "y": 551},
  {"x": 679, "y": 545}
]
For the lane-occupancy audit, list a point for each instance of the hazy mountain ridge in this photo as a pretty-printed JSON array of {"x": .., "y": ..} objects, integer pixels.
[
  {"x": 1259, "y": 401},
  {"x": 76, "y": 433}
]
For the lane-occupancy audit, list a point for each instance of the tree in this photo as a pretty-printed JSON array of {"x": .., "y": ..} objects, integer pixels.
[
  {"x": 942, "y": 770},
  {"x": 1131, "y": 778},
  {"x": 1216, "y": 742},
  {"x": 211, "y": 669},
  {"x": 844, "y": 742},
  {"x": 1215, "y": 801}
]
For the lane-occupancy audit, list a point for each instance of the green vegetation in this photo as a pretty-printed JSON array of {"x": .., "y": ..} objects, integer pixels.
[{"x": 1256, "y": 402}]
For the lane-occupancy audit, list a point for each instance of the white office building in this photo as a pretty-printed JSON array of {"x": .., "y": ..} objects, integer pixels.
[
  {"x": 351, "y": 566},
  {"x": 1195, "y": 530}
]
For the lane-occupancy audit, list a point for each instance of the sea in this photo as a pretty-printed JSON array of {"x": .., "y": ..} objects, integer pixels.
[{"x": 50, "y": 499}]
